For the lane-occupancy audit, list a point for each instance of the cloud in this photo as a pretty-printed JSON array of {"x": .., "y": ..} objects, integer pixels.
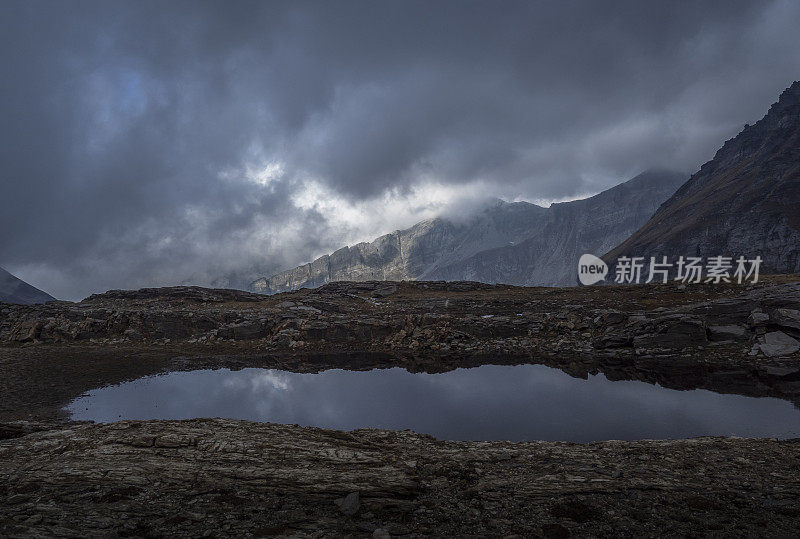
[{"x": 150, "y": 143}]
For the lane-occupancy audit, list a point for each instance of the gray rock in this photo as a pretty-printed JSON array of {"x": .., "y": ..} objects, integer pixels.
[
  {"x": 778, "y": 343},
  {"x": 26, "y": 331},
  {"x": 671, "y": 331},
  {"x": 350, "y": 504},
  {"x": 781, "y": 371},
  {"x": 247, "y": 330},
  {"x": 727, "y": 333},
  {"x": 788, "y": 318},
  {"x": 132, "y": 334},
  {"x": 757, "y": 319},
  {"x": 306, "y": 308},
  {"x": 382, "y": 292},
  {"x": 611, "y": 317},
  {"x": 17, "y": 499},
  {"x": 366, "y": 526}
]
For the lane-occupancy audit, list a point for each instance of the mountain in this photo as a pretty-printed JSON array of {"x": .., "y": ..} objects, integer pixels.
[
  {"x": 413, "y": 253},
  {"x": 744, "y": 202},
  {"x": 515, "y": 243},
  {"x": 14, "y": 290},
  {"x": 549, "y": 256}
]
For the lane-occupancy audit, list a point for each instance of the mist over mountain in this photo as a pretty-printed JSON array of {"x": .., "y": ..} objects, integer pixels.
[
  {"x": 549, "y": 255},
  {"x": 515, "y": 243},
  {"x": 744, "y": 202}
]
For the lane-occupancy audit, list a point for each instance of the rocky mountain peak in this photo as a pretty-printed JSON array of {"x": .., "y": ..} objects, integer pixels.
[
  {"x": 744, "y": 202},
  {"x": 782, "y": 119},
  {"x": 504, "y": 242},
  {"x": 15, "y": 290}
]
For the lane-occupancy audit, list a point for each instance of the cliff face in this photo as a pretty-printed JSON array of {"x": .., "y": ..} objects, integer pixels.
[
  {"x": 415, "y": 252},
  {"x": 14, "y": 290},
  {"x": 549, "y": 256},
  {"x": 516, "y": 243},
  {"x": 745, "y": 201}
]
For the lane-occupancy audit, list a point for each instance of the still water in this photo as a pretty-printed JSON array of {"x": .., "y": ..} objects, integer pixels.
[{"x": 491, "y": 402}]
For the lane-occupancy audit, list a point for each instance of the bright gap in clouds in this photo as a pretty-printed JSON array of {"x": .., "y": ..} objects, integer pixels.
[{"x": 351, "y": 222}]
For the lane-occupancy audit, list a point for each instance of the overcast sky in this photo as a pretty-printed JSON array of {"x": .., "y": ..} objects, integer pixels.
[{"x": 158, "y": 143}]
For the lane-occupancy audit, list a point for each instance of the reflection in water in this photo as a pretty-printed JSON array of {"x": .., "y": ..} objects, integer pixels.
[{"x": 491, "y": 402}]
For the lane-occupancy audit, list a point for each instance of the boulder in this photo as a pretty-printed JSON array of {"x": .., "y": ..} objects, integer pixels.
[
  {"x": 727, "y": 333},
  {"x": 247, "y": 331},
  {"x": 382, "y": 292},
  {"x": 788, "y": 318},
  {"x": 350, "y": 504},
  {"x": 778, "y": 343},
  {"x": 26, "y": 331},
  {"x": 610, "y": 317},
  {"x": 672, "y": 331},
  {"x": 757, "y": 319},
  {"x": 613, "y": 341}
]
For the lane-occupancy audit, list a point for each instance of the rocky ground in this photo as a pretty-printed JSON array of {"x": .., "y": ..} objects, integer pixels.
[
  {"x": 727, "y": 338},
  {"x": 233, "y": 478}
]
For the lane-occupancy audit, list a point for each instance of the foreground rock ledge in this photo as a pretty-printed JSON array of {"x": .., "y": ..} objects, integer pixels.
[{"x": 217, "y": 477}]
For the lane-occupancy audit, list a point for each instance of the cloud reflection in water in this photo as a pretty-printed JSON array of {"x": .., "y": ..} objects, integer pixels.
[{"x": 491, "y": 402}]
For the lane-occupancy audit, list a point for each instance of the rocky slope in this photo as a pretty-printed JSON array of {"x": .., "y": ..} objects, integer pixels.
[
  {"x": 549, "y": 257},
  {"x": 517, "y": 243},
  {"x": 15, "y": 290},
  {"x": 745, "y": 201},
  {"x": 412, "y": 253}
]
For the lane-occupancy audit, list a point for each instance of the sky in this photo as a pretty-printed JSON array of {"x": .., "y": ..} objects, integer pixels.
[{"x": 161, "y": 143}]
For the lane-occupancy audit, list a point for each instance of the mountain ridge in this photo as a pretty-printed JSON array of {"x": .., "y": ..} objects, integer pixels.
[
  {"x": 15, "y": 290},
  {"x": 575, "y": 227},
  {"x": 404, "y": 254},
  {"x": 439, "y": 249},
  {"x": 745, "y": 201}
]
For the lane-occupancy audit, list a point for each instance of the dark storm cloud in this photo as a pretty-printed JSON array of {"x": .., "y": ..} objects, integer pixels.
[{"x": 132, "y": 130}]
